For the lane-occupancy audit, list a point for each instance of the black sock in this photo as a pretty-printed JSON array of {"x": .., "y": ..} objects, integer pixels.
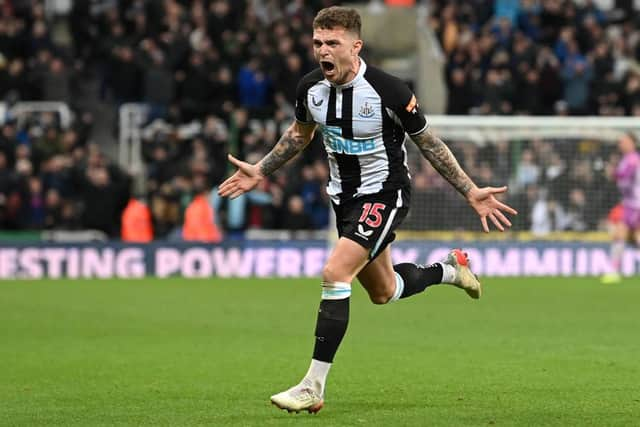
[
  {"x": 417, "y": 278},
  {"x": 333, "y": 317}
]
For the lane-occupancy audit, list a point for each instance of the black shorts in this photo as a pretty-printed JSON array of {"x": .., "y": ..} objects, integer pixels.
[{"x": 371, "y": 220}]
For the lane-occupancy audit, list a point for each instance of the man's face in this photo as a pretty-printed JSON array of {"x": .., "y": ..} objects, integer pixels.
[
  {"x": 337, "y": 52},
  {"x": 626, "y": 144}
]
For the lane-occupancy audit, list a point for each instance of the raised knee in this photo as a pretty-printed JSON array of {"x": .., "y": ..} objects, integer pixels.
[{"x": 381, "y": 298}]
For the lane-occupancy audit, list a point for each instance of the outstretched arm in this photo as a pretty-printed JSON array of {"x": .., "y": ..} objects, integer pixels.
[
  {"x": 481, "y": 199},
  {"x": 443, "y": 160},
  {"x": 248, "y": 176},
  {"x": 294, "y": 139}
]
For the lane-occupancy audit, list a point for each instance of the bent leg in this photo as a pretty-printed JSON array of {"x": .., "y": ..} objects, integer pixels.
[
  {"x": 379, "y": 279},
  {"x": 386, "y": 282}
]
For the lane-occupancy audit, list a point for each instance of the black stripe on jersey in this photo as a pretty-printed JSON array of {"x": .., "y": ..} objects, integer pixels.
[
  {"x": 346, "y": 121},
  {"x": 331, "y": 109},
  {"x": 350, "y": 174},
  {"x": 347, "y": 113}
]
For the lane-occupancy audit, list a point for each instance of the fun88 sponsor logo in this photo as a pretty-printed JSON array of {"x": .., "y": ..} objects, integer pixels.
[{"x": 334, "y": 140}]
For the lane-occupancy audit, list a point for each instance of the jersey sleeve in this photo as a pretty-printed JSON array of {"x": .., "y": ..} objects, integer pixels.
[
  {"x": 405, "y": 106},
  {"x": 398, "y": 100},
  {"x": 301, "y": 109}
]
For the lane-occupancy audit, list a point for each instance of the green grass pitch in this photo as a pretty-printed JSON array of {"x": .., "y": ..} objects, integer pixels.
[{"x": 535, "y": 351}]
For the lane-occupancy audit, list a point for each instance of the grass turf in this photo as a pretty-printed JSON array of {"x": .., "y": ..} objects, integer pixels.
[{"x": 561, "y": 351}]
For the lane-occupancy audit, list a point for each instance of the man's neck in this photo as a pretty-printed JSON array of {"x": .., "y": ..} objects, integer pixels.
[{"x": 355, "y": 69}]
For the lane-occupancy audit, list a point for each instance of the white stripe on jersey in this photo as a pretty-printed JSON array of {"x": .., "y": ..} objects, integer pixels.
[
  {"x": 335, "y": 184},
  {"x": 379, "y": 165},
  {"x": 406, "y": 159}
]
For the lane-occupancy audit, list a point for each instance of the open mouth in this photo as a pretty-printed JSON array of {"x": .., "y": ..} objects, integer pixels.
[{"x": 327, "y": 67}]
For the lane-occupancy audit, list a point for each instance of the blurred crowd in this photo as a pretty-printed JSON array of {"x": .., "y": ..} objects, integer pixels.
[
  {"x": 213, "y": 66},
  {"x": 51, "y": 178},
  {"x": 538, "y": 57},
  {"x": 219, "y": 76},
  {"x": 555, "y": 185}
]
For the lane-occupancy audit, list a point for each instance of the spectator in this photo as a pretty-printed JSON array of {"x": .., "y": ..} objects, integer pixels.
[
  {"x": 194, "y": 88},
  {"x": 550, "y": 80},
  {"x": 165, "y": 208},
  {"x": 459, "y": 101},
  {"x": 530, "y": 103},
  {"x": 35, "y": 204},
  {"x": 15, "y": 84},
  {"x": 498, "y": 92},
  {"x": 125, "y": 77},
  {"x": 294, "y": 216},
  {"x": 314, "y": 194},
  {"x": 577, "y": 211},
  {"x": 527, "y": 171},
  {"x": 224, "y": 91},
  {"x": 57, "y": 82},
  {"x": 162, "y": 167},
  {"x": 254, "y": 86},
  {"x": 507, "y": 10},
  {"x": 53, "y": 209},
  {"x": 99, "y": 194},
  {"x": 289, "y": 76},
  {"x": 199, "y": 218},
  {"x": 158, "y": 81},
  {"x": 577, "y": 76},
  {"x": 631, "y": 94},
  {"x": 136, "y": 222}
]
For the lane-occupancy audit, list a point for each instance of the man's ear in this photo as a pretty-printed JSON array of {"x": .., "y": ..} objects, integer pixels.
[{"x": 356, "y": 47}]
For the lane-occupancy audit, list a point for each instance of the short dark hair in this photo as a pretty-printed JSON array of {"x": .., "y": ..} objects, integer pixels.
[{"x": 338, "y": 16}]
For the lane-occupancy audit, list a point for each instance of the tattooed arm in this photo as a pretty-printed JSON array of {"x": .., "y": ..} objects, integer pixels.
[
  {"x": 294, "y": 140},
  {"x": 248, "y": 176},
  {"x": 483, "y": 200},
  {"x": 443, "y": 160}
]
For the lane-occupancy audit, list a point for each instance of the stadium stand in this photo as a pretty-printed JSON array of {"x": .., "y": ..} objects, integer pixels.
[
  {"x": 550, "y": 57},
  {"x": 219, "y": 76}
]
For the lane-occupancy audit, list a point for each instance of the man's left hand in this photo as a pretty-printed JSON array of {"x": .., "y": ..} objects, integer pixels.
[{"x": 484, "y": 201}]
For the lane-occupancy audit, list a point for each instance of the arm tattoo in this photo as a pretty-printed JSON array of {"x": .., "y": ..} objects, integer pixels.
[
  {"x": 290, "y": 144},
  {"x": 443, "y": 160}
]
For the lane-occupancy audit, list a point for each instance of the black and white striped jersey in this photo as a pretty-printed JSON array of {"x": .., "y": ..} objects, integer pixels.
[{"x": 363, "y": 126}]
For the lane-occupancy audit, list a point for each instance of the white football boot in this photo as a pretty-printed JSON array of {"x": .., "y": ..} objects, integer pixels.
[
  {"x": 299, "y": 398},
  {"x": 464, "y": 277}
]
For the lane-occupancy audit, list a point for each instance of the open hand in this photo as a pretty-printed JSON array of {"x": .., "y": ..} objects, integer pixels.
[
  {"x": 486, "y": 205},
  {"x": 246, "y": 178}
]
